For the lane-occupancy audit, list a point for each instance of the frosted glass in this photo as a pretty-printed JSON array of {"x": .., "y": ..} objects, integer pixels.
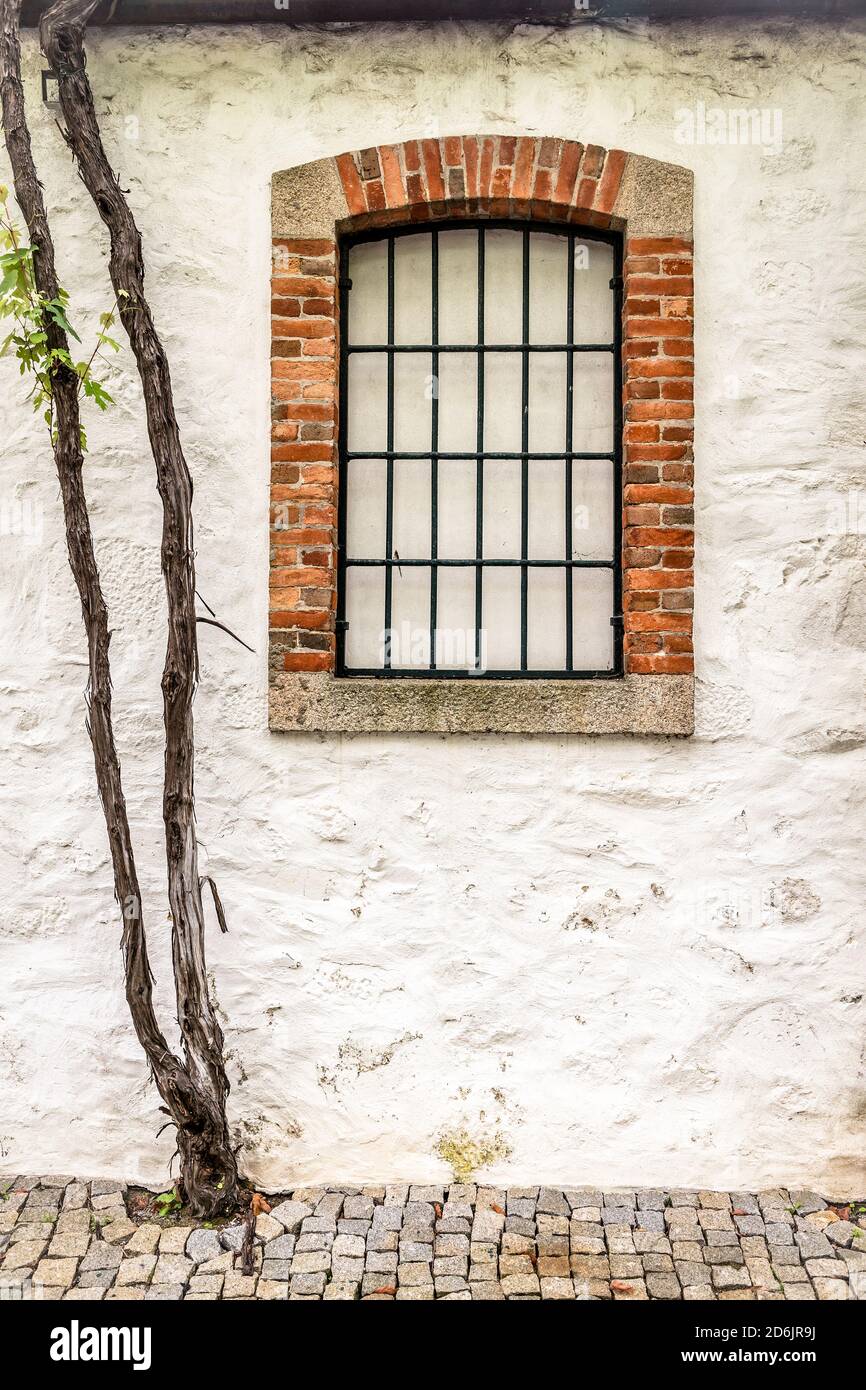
[
  {"x": 458, "y": 395},
  {"x": 546, "y": 509},
  {"x": 501, "y": 618},
  {"x": 457, "y": 481},
  {"x": 455, "y": 619},
  {"x": 368, "y": 402},
  {"x": 503, "y": 402},
  {"x": 548, "y": 376},
  {"x": 503, "y": 281},
  {"x": 548, "y": 288},
  {"x": 413, "y": 397},
  {"x": 411, "y": 508},
  {"x": 545, "y": 611},
  {"x": 592, "y": 510},
  {"x": 593, "y": 606},
  {"x": 368, "y": 271},
  {"x": 593, "y": 296},
  {"x": 593, "y": 402},
  {"x": 413, "y": 289},
  {"x": 410, "y": 618},
  {"x": 365, "y": 605},
  {"x": 502, "y": 509},
  {"x": 365, "y": 509},
  {"x": 458, "y": 286},
  {"x": 454, "y": 388}
]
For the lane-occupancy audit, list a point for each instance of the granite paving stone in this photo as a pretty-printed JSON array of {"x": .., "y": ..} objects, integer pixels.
[{"x": 65, "y": 1238}]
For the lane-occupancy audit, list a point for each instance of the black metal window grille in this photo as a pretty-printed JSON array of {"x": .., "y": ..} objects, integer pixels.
[{"x": 485, "y": 460}]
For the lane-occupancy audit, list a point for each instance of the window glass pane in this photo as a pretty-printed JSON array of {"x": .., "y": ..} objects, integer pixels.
[
  {"x": 593, "y": 402},
  {"x": 455, "y": 619},
  {"x": 503, "y": 402},
  {"x": 548, "y": 287},
  {"x": 413, "y": 394},
  {"x": 412, "y": 289},
  {"x": 412, "y": 508},
  {"x": 545, "y": 619},
  {"x": 368, "y": 401},
  {"x": 365, "y": 606},
  {"x": 501, "y": 618},
  {"x": 410, "y": 617},
  {"x": 593, "y": 295},
  {"x": 457, "y": 487},
  {"x": 592, "y": 510},
  {"x": 501, "y": 509},
  {"x": 503, "y": 286},
  {"x": 546, "y": 509},
  {"x": 590, "y": 529},
  {"x": 368, "y": 319},
  {"x": 458, "y": 395},
  {"x": 547, "y": 401},
  {"x": 365, "y": 509},
  {"x": 458, "y": 286},
  {"x": 593, "y": 633}
]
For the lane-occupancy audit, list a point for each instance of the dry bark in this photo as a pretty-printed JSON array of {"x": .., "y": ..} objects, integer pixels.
[
  {"x": 208, "y": 1166},
  {"x": 194, "y": 1089}
]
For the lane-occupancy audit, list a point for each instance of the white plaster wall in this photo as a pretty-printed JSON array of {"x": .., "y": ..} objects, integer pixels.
[{"x": 615, "y": 960}]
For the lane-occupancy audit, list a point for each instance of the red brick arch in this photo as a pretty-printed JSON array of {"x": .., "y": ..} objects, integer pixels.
[
  {"x": 474, "y": 175},
  {"x": 538, "y": 177}
]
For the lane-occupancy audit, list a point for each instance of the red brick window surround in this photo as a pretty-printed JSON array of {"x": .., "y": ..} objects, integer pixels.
[{"x": 542, "y": 179}]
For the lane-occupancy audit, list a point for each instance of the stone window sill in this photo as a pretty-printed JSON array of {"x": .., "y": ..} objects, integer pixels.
[{"x": 322, "y": 703}]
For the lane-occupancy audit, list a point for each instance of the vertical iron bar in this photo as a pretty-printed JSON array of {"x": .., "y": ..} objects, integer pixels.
[
  {"x": 524, "y": 462},
  {"x": 569, "y": 462},
  {"x": 434, "y": 461},
  {"x": 389, "y": 466},
  {"x": 343, "y": 470},
  {"x": 618, "y": 499},
  {"x": 479, "y": 461}
]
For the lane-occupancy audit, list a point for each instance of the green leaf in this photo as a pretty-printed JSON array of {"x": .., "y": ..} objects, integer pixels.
[{"x": 56, "y": 310}]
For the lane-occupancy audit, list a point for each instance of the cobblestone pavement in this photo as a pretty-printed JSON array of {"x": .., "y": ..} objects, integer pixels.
[{"x": 70, "y": 1239}]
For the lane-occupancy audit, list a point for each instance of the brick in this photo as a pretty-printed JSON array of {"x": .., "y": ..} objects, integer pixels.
[
  {"x": 661, "y": 665},
  {"x": 307, "y": 246},
  {"x": 392, "y": 178},
  {"x": 660, "y": 367},
  {"x": 567, "y": 173},
  {"x": 308, "y": 661},
  {"x": 611, "y": 176},
  {"x": 657, "y": 328},
  {"x": 678, "y": 285},
  {"x": 352, "y": 186},
  {"x": 659, "y": 493},
  {"x": 658, "y": 245},
  {"x": 433, "y": 170}
]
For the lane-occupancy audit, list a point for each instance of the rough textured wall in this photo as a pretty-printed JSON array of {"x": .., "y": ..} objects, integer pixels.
[{"x": 581, "y": 959}]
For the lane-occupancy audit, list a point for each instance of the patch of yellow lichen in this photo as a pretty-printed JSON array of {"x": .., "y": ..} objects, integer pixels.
[{"x": 464, "y": 1155}]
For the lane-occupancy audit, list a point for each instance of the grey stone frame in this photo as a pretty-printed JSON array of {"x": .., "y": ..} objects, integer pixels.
[{"x": 310, "y": 201}]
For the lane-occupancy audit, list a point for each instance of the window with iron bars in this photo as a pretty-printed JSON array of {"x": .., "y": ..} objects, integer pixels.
[{"x": 480, "y": 462}]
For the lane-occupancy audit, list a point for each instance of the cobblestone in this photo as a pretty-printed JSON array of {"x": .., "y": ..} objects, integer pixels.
[{"x": 65, "y": 1238}]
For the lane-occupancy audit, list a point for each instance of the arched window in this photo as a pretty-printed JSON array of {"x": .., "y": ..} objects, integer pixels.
[
  {"x": 482, "y": 396},
  {"x": 479, "y": 452}
]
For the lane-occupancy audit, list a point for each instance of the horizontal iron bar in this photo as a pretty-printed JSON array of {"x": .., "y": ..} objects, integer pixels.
[
  {"x": 472, "y": 564},
  {"x": 469, "y": 673},
  {"x": 315, "y": 12},
  {"x": 480, "y": 347},
  {"x": 467, "y": 454},
  {"x": 116, "y": 12}
]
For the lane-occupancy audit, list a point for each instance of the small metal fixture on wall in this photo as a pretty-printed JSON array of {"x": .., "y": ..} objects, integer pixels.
[{"x": 50, "y": 90}]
